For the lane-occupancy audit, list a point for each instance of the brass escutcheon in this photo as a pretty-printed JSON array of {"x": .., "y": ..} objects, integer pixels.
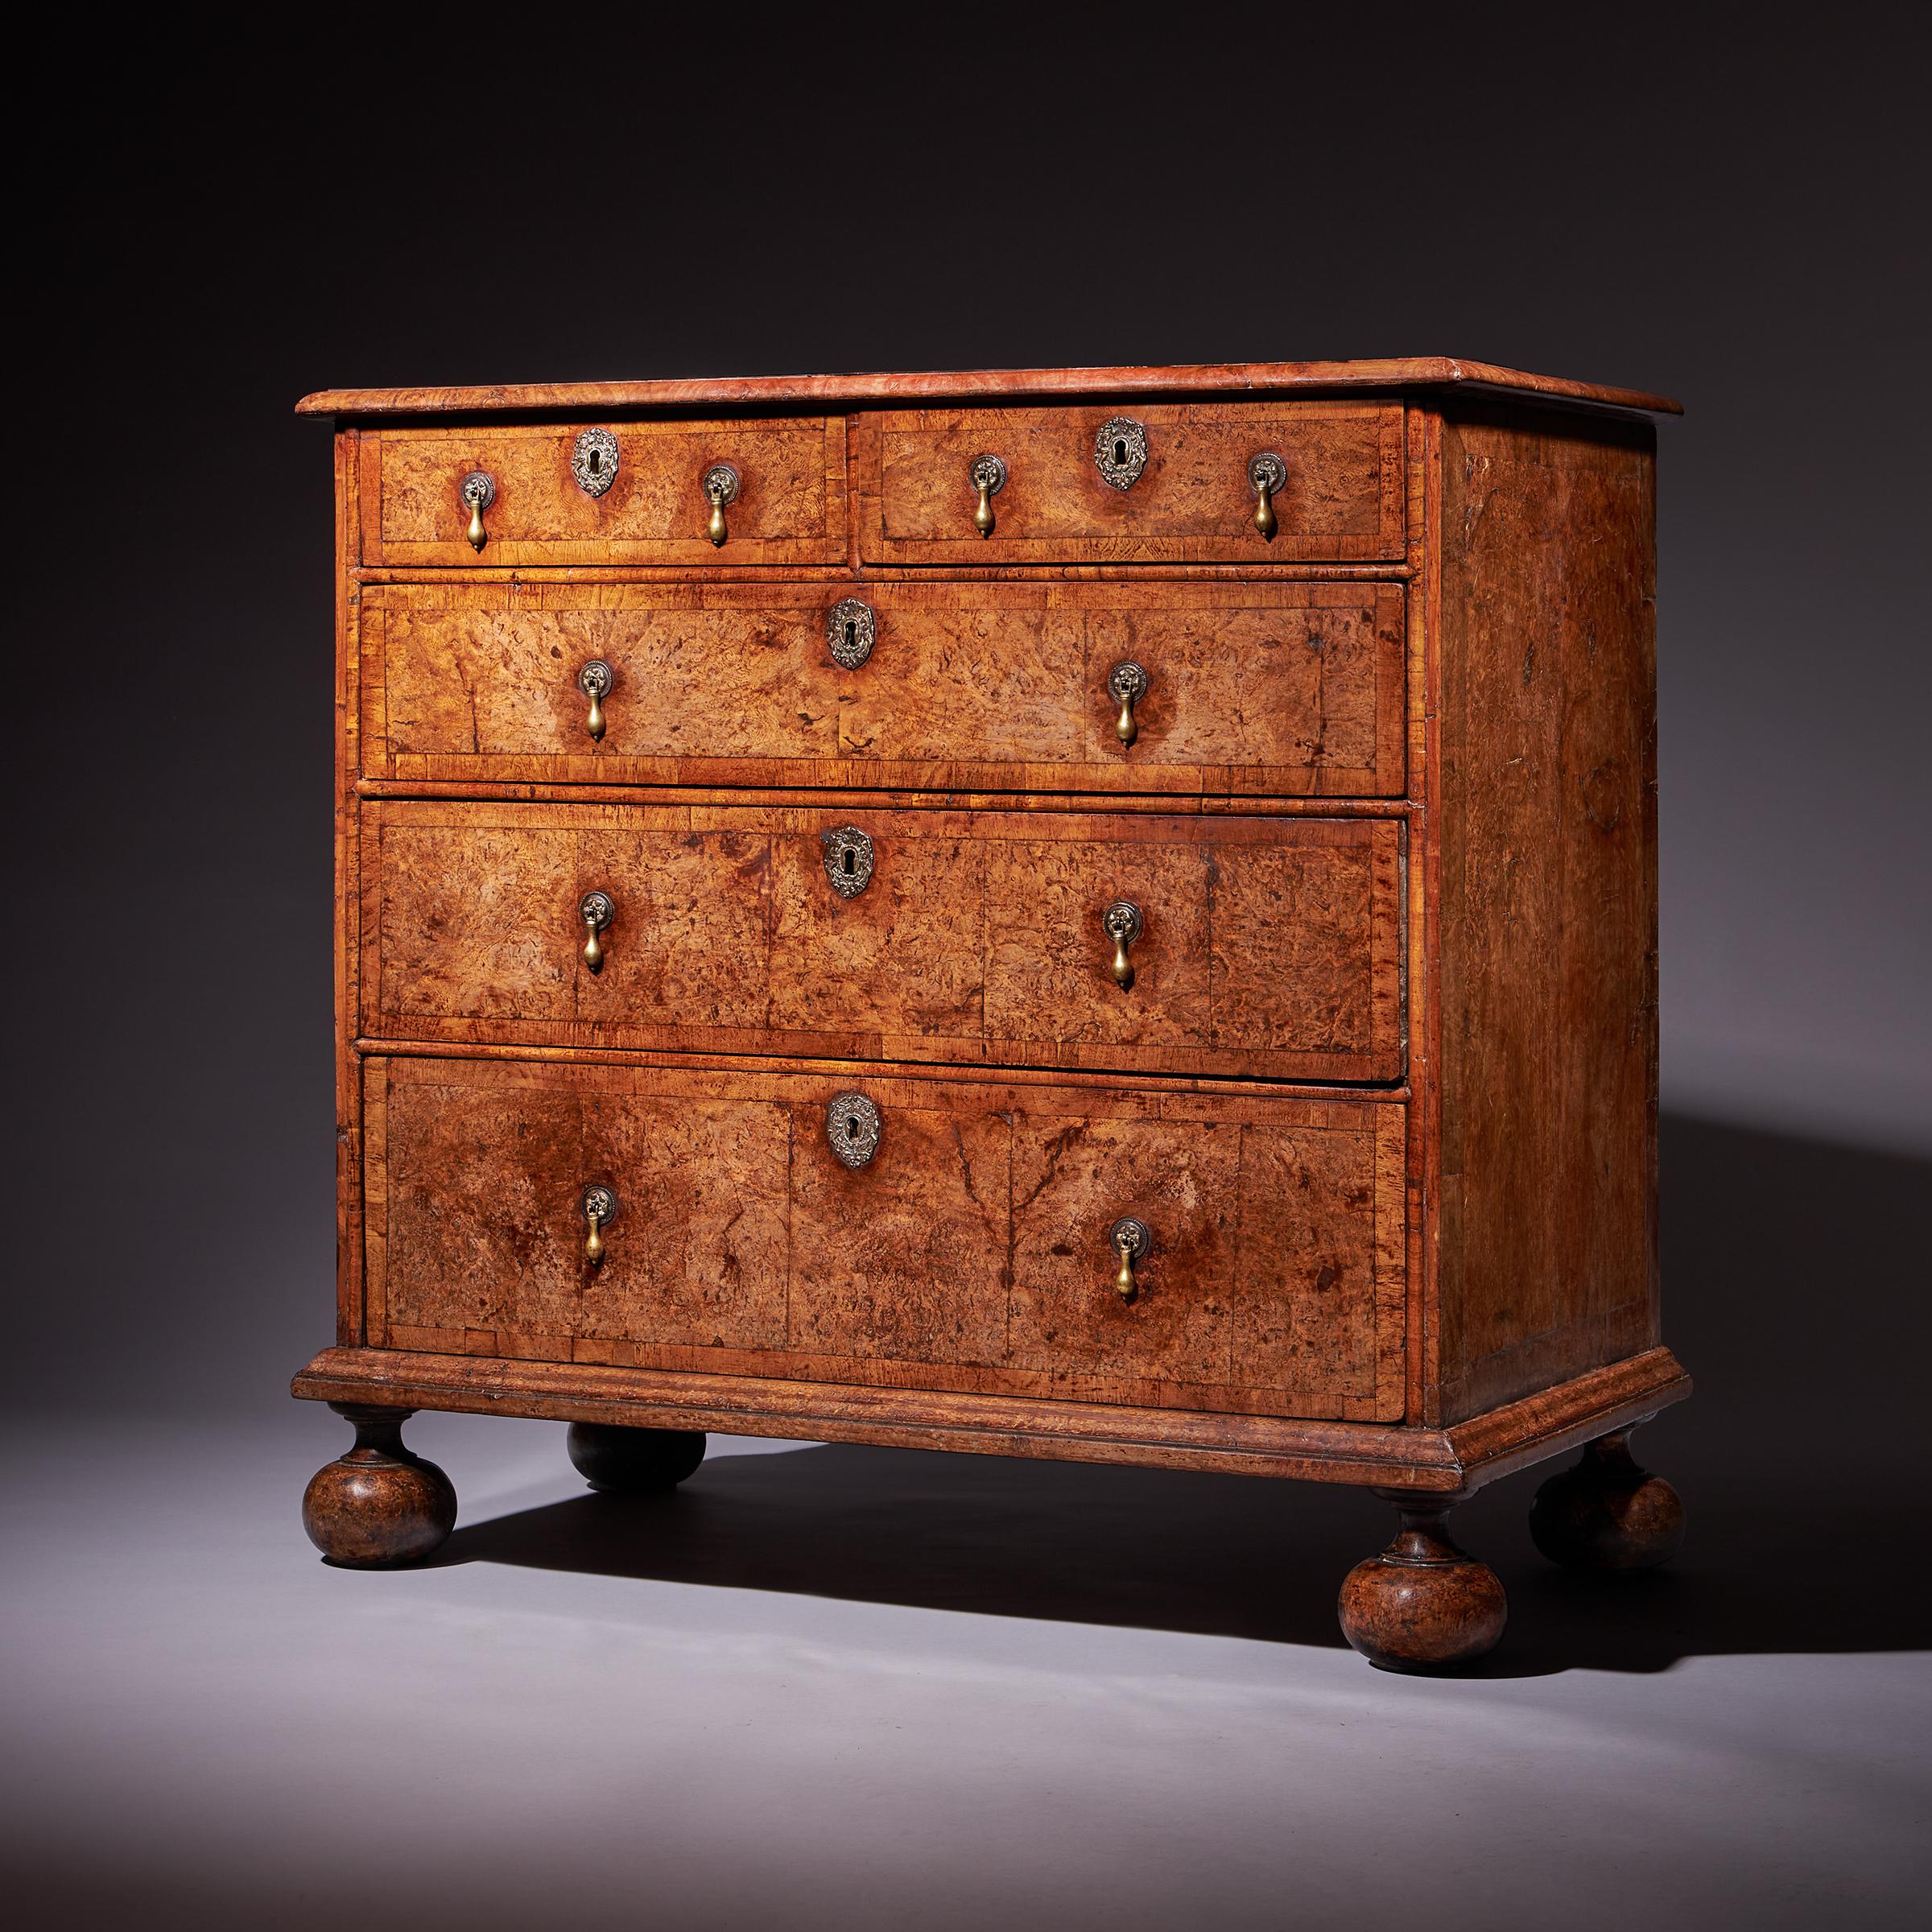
[
  {"x": 851, "y": 1128},
  {"x": 1119, "y": 452},
  {"x": 593, "y": 462},
  {"x": 849, "y": 857},
  {"x": 851, "y": 627}
]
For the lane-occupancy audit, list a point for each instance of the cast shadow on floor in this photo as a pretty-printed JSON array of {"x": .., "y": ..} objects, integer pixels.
[
  {"x": 1210, "y": 1555},
  {"x": 1795, "y": 1468}
]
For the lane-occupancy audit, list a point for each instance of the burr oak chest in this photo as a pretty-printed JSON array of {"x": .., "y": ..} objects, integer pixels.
[{"x": 1105, "y": 914}]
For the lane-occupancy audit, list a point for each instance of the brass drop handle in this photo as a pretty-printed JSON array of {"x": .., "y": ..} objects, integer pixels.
[
  {"x": 1131, "y": 1241},
  {"x": 597, "y": 911},
  {"x": 1267, "y": 477},
  {"x": 595, "y": 680},
  {"x": 1122, "y": 923},
  {"x": 600, "y": 1210},
  {"x": 1126, "y": 685},
  {"x": 988, "y": 476},
  {"x": 477, "y": 491},
  {"x": 721, "y": 488}
]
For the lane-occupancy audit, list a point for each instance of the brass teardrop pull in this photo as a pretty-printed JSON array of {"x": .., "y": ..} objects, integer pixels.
[
  {"x": 595, "y": 680},
  {"x": 600, "y": 1210},
  {"x": 988, "y": 477},
  {"x": 477, "y": 491},
  {"x": 597, "y": 910},
  {"x": 721, "y": 488},
  {"x": 1126, "y": 685},
  {"x": 1267, "y": 477},
  {"x": 1122, "y": 923},
  {"x": 1131, "y": 1241}
]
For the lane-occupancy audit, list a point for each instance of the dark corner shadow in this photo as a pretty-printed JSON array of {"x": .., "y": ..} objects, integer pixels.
[{"x": 1781, "y": 1536}]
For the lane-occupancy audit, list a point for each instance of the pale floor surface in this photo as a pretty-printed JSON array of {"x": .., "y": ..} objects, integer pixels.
[{"x": 848, "y": 1688}]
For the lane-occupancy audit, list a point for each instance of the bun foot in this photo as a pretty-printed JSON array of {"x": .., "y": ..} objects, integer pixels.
[
  {"x": 377, "y": 1504},
  {"x": 634, "y": 1462},
  {"x": 1606, "y": 1514},
  {"x": 1422, "y": 1604}
]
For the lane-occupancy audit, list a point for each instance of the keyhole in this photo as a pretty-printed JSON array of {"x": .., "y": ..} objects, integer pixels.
[
  {"x": 1120, "y": 452},
  {"x": 846, "y": 859},
  {"x": 596, "y": 461},
  {"x": 851, "y": 1127},
  {"x": 852, "y": 634}
]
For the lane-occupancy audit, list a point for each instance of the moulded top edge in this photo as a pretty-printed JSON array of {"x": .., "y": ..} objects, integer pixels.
[{"x": 1384, "y": 374}]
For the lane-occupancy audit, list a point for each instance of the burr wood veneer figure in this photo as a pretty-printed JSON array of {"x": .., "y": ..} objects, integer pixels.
[{"x": 1106, "y": 914}]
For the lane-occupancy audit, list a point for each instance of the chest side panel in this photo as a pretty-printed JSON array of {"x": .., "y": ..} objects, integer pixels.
[{"x": 1548, "y": 914}]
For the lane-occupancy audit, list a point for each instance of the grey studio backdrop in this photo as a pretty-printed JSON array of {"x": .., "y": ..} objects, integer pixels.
[{"x": 1664, "y": 206}]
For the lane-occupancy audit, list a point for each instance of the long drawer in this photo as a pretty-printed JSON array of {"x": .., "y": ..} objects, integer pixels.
[
  {"x": 1261, "y": 946},
  {"x": 976, "y": 1248},
  {"x": 498, "y": 494},
  {"x": 1290, "y": 688},
  {"x": 1160, "y": 482}
]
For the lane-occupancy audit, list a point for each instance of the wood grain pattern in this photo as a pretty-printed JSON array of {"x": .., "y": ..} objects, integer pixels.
[
  {"x": 1423, "y": 1605},
  {"x": 483, "y": 1231},
  {"x": 1125, "y": 805},
  {"x": 1549, "y": 898},
  {"x": 970, "y": 1253},
  {"x": 1389, "y": 374},
  {"x": 1607, "y": 1513},
  {"x": 1391, "y": 812},
  {"x": 1259, "y": 1273},
  {"x": 1273, "y": 945},
  {"x": 346, "y": 948},
  {"x": 1409, "y": 1458},
  {"x": 1345, "y": 497},
  {"x": 377, "y": 1504},
  {"x": 1294, "y": 688},
  {"x": 791, "y": 508}
]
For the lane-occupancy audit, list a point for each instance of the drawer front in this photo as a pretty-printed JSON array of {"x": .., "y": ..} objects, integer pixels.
[
  {"x": 789, "y": 507},
  {"x": 1286, "y": 688},
  {"x": 1342, "y": 495},
  {"x": 972, "y": 1251},
  {"x": 1268, "y": 946}
]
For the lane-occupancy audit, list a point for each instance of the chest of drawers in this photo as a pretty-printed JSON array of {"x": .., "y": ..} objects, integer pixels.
[{"x": 1096, "y": 913}]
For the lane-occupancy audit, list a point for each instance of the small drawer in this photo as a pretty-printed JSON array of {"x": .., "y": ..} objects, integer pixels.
[
  {"x": 867, "y": 1227},
  {"x": 1151, "y": 483},
  {"x": 1266, "y": 946},
  {"x": 1290, "y": 688},
  {"x": 766, "y": 491}
]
